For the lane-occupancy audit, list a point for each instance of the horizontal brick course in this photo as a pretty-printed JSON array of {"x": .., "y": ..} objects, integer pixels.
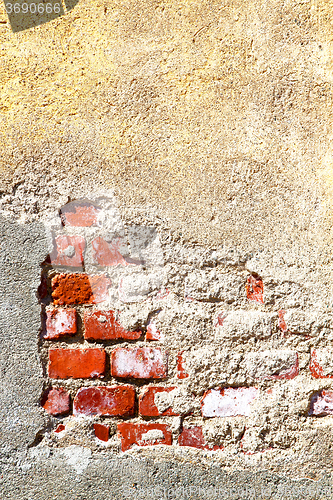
[
  {"x": 117, "y": 401},
  {"x": 138, "y": 362},
  {"x": 75, "y": 288},
  {"x": 143, "y": 434},
  {"x": 76, "y": 363},
  {"x": 101, "y": 325}
]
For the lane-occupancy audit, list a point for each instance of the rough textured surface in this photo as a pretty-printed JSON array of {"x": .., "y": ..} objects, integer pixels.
[{"x": 208, "y": 125}]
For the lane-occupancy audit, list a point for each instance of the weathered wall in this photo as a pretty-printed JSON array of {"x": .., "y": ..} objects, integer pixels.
[{"x": 206, "y": 125}]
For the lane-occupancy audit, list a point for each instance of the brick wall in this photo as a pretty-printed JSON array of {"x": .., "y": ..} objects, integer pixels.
[{"x": 142, "y": 349}]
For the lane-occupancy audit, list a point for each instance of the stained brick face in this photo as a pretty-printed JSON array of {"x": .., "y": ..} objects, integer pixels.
[
  {"x": 321, "y": 403},
  {"x": 60, "y": 322},
  {"x": 228, "y": 402},
  {"x": 76, "y": 363},
  {"x": 68, "y": 251},
  {"x": 102, "y": 432},
  {"x": 255, "y": 289},
  {"x": 68, "y": 289},
  {"x": 147, "y": 406},
  {"x": 101, "y": 325},
  {"x": 181, "y": 370},
  {"x": 107, "y": 253},
  {"x": 56, "y": 401},
  {"x": 194, "y": 438},
  {"x": 116, "y": 401},
  {"x": 321, "y": 363},
  {"x": 143, "y": 434},
  {"x": 138, "y": 362},
  {"x": 74, "y": 215}
]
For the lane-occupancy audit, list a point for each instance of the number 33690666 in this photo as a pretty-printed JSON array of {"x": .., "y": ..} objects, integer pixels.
[{"x": 32, "y": 8}]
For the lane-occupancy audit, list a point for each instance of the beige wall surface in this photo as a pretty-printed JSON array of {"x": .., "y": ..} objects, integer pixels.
[{"x": 215, "y": 114}]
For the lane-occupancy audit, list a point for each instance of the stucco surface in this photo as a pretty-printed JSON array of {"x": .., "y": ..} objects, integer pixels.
[{"x": 210, "y": 121}]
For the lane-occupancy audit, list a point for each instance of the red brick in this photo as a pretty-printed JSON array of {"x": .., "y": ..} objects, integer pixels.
[
  {"x": 181, "y": 372},
  {"x": 60, "y": 322},
  {"x": 322, "y": 403},
  {"x": 68, "y": 251},
  {"x": 60, "y": 428},
  {"x": 102, "y": 432},
  {"x": 101, "y": 325},
  {"x": 220, "y": 319},
  {"x": 255, "y": 289},
  {"x": 147, "y": 406},
  {"x": 56, "y": 401},
  {"x": 230, "y": 402},
  {"x": 108, "y": 253},
  {"x": 153, "y": 333},
  {"x": 321, "y": 363},
  {"x": 193, "y": 437},
  {"x": 76, "y": 363},
  {"x": 79, "y": 214},
  {"x": 138, "y": 362},
  {"x": 79, "y": 289},
  {"x": 117, "y": 401},
  {"x": 141, "y": 435},
  {"x": 282, "y": 322}
]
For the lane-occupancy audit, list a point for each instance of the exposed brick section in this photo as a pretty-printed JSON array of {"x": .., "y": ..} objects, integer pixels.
[
  {"x": 68, "y": 251},
  {"x": 228, "y": 402},
  {"x": 107, "y": 253},
  {"x": 101, "y": 325},
  {"x": 79, "y": 289},
  {"x": 76, "y": 363},
  {"x": 143, "y": 434},
  {"x": 194, "y": 438},
  {"x": 321, "y": 363},
  {"x": 60, "y": 428},
  {"x": 60, "y": 322},
  {"x": 255, "y": 289},
  {"x": 56, "y": 401},
  {"x": 153, "y": 333},
  {"x": 102, "y": 432},
  {"x": 118, "y": 401},
  {"x": 322, "y": 404},
  {"x": 79, "y": 215},
  {"x": 282, "y": 322},
  {"x": 138, "y": 362},
  {"x": 220, "y": 319},
  {"x": 147, "y": 406},
  {"x": 181, "y": 371}
]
